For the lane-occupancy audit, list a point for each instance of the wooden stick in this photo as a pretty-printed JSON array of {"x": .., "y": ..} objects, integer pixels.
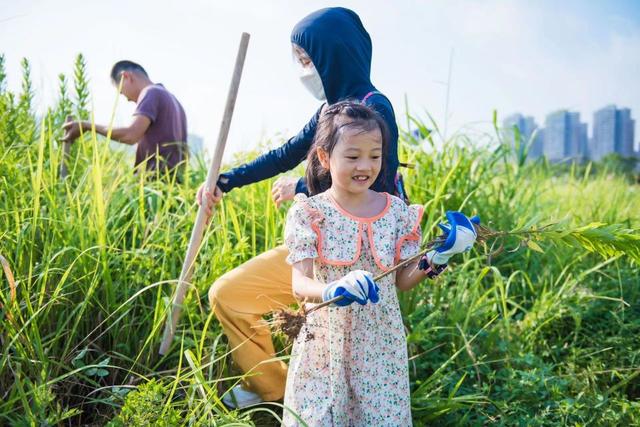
[
  {"x": 201, "y": 218},
  {"x": 66, "y": 148}
]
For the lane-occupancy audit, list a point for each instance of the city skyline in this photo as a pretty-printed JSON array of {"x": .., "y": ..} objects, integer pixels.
[{"x": 566, "y": 137}]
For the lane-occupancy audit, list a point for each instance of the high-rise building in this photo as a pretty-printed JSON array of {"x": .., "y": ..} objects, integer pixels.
[
  {"x": 576, "y": 147},
  {"x": 613, "y": 132},
  {"x": 527, "y": 128},
  {"x": 555, "y": 135},
  {"x": 625, "y": 130},
  {"x": 565, "y": 137},
  {"x": 604, "y": 132}
]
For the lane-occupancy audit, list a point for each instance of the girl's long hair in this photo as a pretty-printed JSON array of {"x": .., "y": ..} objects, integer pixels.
[{"x": 333, "y": 121}]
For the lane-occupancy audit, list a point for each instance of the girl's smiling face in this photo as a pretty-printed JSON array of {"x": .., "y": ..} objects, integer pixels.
[{"x": 355, "y": 162}]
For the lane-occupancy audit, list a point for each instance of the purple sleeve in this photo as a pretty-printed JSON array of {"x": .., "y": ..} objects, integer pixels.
[{"x": 149, "y": 105}]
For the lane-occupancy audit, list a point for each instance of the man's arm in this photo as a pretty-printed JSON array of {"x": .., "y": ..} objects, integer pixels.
[{"x": 127, "y": 135}]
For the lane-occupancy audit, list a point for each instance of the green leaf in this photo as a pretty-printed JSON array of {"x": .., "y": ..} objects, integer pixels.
[
  {"x": 534, "y": 246},
  {"x": 102, "y": 373}
]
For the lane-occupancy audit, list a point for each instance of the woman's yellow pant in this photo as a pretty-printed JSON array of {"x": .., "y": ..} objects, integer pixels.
[{"x": 239, "y": 299}]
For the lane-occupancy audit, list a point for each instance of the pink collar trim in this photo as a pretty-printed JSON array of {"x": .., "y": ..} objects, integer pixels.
[{"x": 358, "y": 218}]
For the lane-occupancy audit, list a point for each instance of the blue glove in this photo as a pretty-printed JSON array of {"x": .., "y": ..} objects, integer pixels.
[
  {"x": 459, "y": 234},
  {"x": 357, "y": 286}
]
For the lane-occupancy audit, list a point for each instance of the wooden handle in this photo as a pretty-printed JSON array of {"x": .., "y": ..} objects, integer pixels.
[{"x": 201, "y": 218}]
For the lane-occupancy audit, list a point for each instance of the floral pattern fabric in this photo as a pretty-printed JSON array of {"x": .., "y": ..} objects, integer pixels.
[{"x": 349, "y": 364}]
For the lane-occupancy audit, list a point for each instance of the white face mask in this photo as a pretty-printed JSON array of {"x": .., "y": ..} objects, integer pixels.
[{"x": 311, "y": 80}]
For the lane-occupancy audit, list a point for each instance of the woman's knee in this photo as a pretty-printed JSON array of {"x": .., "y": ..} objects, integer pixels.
[{"x": 219, "y": 291}]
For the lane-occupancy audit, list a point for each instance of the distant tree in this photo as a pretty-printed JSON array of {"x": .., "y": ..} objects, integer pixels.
[{"x": 615, "y": 163}]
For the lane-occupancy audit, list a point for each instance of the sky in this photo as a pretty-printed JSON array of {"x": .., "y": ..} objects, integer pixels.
[{"x": 453, "y": 60}]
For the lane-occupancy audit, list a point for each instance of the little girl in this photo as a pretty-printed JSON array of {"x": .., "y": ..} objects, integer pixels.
[{"x": 349, "y": 364}]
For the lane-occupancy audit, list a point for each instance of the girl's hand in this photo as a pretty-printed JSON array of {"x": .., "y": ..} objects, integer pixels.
[
  {"x": 460, "y": 235},
  {"x": 430, "y": 270},
  {"x": 283, "y": 189},
  {"x": 210, "y": 199},
  {"x": 357, "y": 286}
]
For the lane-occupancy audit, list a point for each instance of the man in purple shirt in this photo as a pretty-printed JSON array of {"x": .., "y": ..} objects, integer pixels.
[{"x": 159, "y": 124}]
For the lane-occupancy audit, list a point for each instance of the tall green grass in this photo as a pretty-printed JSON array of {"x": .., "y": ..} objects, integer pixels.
[{"x": 524, "y": 338}]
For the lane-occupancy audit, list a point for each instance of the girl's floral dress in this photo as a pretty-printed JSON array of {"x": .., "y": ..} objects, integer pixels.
[{"x": 349, "y": 364}]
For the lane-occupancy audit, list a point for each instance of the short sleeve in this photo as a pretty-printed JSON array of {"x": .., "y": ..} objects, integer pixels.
[
  {"x": 149, "y": 105},
  {"x": 409, "y": 232},
  {"x": 299, "y": 236}
]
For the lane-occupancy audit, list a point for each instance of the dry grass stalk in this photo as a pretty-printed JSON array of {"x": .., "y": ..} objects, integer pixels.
[{"x": 12, "y": 283}]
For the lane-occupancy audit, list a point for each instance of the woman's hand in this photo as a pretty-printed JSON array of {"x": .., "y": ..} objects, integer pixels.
[
  {"x": 283, "y": 189},
  {"x": 210, "y": 199}
]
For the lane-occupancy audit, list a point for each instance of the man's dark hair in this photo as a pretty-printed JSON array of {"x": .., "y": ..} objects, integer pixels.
[{"x": 125, "y": 65}]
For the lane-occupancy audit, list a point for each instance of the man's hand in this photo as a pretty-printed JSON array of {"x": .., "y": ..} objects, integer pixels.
[
  {"x": 129, "y": 135},
  {"x": 283, "y": 189},
  {"x": 72, "y": 130},
  {"x": 210, "y": 200}
]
